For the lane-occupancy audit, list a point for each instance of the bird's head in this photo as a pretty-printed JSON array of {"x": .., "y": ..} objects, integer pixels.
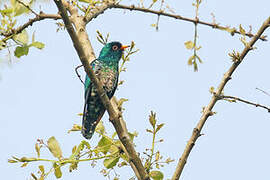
[{"x": 112, "y": 52}]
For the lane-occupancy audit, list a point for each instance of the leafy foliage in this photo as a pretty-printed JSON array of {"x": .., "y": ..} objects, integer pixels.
[{"x": 108, "y": 149}]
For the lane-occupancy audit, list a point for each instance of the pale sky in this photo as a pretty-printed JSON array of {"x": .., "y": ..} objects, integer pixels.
[{"x": 41, "y": 94}]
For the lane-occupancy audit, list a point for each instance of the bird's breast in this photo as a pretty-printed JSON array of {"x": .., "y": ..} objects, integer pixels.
[{"x": 108, "y": 77}]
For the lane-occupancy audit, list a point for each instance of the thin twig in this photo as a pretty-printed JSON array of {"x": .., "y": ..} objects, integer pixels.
[
  {"x": 244, "y": 101},
  {"x": 113, "y": 114},
  {"x": 106, "y": 6},
  {"x": 208, "y": 110},
  {"x": 28, "y": 7},
  {"x": 76, "y": 70},
  {"x": 162, "y": 13},
  {"x": 263, "y": 91},
  {"x": 111, "y": 5}
]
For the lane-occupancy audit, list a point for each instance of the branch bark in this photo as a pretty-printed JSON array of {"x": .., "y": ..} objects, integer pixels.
[
  {"x": 80, "y": 46},
  {"x": 30, "y": 22},
  {"x": 112, "y": 4},
  {"x": 208, "y": 110}
]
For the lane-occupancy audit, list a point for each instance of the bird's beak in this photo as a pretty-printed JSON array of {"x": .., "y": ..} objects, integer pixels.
[{"x": 124, "y": 47}]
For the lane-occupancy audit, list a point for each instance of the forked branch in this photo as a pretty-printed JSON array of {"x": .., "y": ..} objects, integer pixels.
[
  {"x": 208, "y": 110},
  {"x": 114, "y": 114}
]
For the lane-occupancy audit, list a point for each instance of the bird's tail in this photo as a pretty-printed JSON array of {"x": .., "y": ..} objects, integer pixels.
[{"x": 91, "y": 118}]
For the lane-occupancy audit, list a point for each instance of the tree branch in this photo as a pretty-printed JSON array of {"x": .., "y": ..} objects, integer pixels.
[
  {"x": 244, "y": 101},
  {"x": 114, "y": 114},
  {"x": 30, "y": 22},
  {"x": 112, "y": 4},
  {"x": 208, "y": 110},
  {"x": 178, "y": 17}
]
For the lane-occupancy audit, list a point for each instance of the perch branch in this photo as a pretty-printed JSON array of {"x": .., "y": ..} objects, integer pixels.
[
  {"x": 114, "y": 115},
  {"x": 208, "y": 110}
]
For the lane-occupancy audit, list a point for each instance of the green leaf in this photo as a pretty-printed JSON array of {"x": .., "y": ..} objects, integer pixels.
[
  {"x": 189, "y": 44},
  {"x": 100, "y": 127},
  {"x": 54, "y": 147},
  {"x": 41, "y": 168},
  {"x": 156, "y": 175},
  {"x": 21, "y": 50},
  {"x": 86, "y": 1},
  {"x": 242, "y": 30},
  {"x": 33, "y": 37},
  {"x": 190, "y": 60},
  {"x": 121, "y": 101},
  {"x": 38, "y": 45},
  {"x": 37, "y": 147},
  {"x": 111, "y": 162},
  {"x": 212, "y": 90},
  {"x": 34, "y": 176},
  {"x": 22, "y": 37},
  {"x": 104, "y": 145},
  {"x": 57, "y": 170},
  {"x": 19, "y": 9},
  {"x": 159, "y": 127},
  {"x": 77, "y": 150},
  {"x": 24, "y": 164},
  {"x": 132, "y": 135},
  {"x": 6, "y": 11},
  {"x": 152, "y": 119},
  {"x": 75, "y": 127}
]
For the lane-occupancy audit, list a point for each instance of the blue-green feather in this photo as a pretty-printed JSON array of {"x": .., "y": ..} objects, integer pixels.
[{"x": 106, "y": 70}]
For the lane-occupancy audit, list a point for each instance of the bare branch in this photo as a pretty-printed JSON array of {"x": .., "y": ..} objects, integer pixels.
[
  {"x": 244, "y": 101},
  {"x": 110, "y": 5},
  {"x": 197, "y": 21},
  {"x": 208, "y": 110},
  {"x": 113, "y": 113},
  {"x": 263, "y": 91}
]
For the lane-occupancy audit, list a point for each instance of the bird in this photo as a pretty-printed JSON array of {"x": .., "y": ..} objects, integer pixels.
[{"x": 105, "y": 68}]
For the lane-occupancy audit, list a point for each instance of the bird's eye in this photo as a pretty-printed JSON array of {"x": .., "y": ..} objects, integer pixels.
[{"x": 115, "y": 47}]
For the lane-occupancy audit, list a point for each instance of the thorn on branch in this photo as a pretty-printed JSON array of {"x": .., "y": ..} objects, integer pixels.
[
  {"x": 228, "y": 78},
  {"x": 201, "y": 135}
]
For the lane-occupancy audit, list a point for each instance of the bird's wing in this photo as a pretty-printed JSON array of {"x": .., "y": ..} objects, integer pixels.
[{"x": 93, "y": 108}]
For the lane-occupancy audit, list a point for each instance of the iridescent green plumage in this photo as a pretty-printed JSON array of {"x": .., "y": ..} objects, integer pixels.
[{"x": 106, "y": 70}]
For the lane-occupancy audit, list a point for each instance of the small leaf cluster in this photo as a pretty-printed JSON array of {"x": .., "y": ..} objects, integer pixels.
[
  {"x": 154, "y": 161},
  {"x": 108, "y": 149},
  {"x": 192, "y": 45},
  {"x": 9, "y": 15},
  {"x": 101, "y": 39},
  {"x": 126, "y": 56},
  {"x": 192, "y": 60},
  {"x": 23, "y": 45}
]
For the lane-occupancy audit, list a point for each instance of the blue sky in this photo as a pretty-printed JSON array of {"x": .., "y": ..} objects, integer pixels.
[{"x": 41, "y": 94}]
